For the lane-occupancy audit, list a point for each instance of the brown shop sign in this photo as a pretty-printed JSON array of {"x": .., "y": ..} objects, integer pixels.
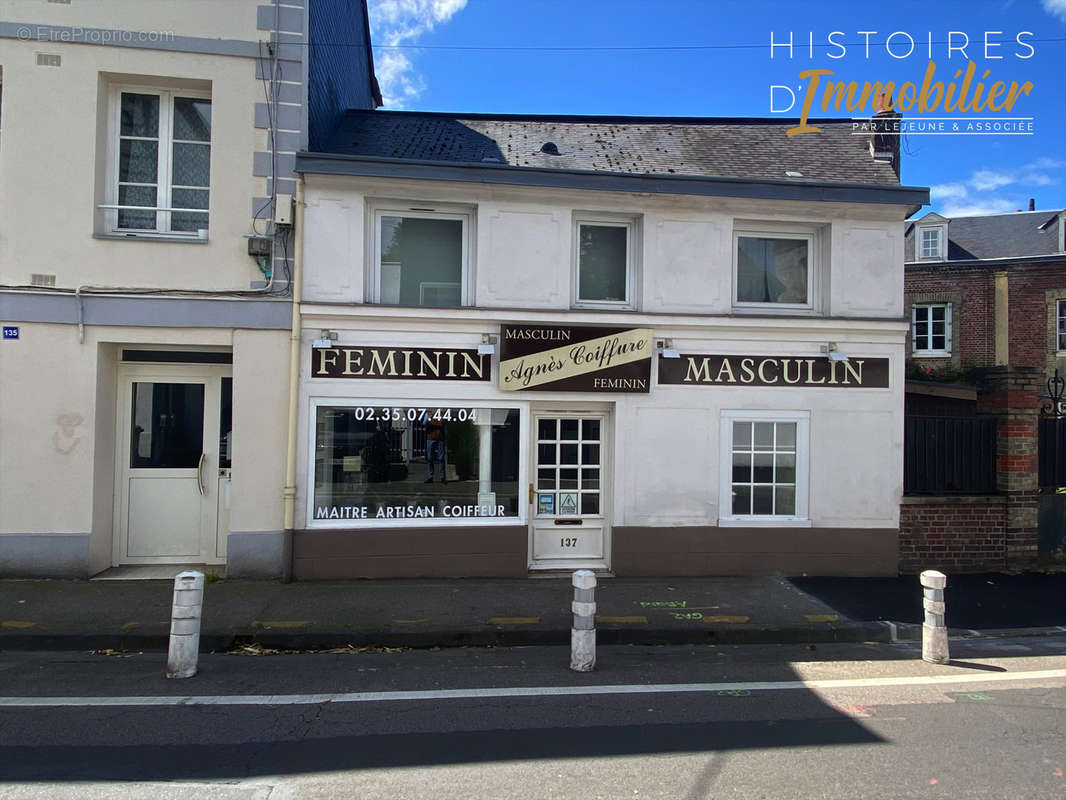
[
  {"x": 700, "y": 370},
  {"x": 400, "y": 363},
  {"x": 575, "y": 359}
]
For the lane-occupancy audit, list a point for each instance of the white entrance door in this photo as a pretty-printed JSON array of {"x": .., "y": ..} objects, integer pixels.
[
  {"x": 172, "y": 498},
  {"x": 569, "y": 526}
]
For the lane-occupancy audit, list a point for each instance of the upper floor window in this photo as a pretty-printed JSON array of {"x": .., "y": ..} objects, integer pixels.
[
  {"x": 1061, "y": 338},
  {"x": 604, "y": 262},
  {"x": 931, "y": 243},
  {"x": 931, "y": 329},
  {"x": 161, "y": 162},
  {"x": 775, "y": 268},
  {"x": 421, "y": 258}
]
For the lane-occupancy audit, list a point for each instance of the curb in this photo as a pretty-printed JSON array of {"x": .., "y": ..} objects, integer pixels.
[
  {"x": 912, "y": 632},
  {"x": 486, "y": 637},
  {"x": 882, "y": 632}
]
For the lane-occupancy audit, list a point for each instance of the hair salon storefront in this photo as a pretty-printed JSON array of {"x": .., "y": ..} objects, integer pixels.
[{"x": 504, "y": 449}]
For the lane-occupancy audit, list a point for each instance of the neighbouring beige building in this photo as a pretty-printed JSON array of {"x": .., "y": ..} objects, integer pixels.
[{"x": 146, "y": 249}]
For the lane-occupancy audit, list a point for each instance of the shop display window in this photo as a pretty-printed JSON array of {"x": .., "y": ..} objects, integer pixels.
[{"x": 383, "y": 462}]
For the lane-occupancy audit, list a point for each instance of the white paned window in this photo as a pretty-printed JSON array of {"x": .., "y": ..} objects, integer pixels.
[
  {"x": 161, "y": 162},
  {"x": 604, "y": 262},
  {"x": 764, "y": 467},
  {"x": 421, "y": 258},
  {"x": 775, "y": 269},
  {"x": 931, "y": 329},
  {"x": 932, "y": 241},
  {"x": 1061, "y": 338}
]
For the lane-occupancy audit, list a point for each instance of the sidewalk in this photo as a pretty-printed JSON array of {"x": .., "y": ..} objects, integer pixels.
[{"x": 134, "y": 615}]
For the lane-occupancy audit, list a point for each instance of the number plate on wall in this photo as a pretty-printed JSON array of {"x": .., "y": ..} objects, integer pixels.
[{"x": 568, "y": 541}]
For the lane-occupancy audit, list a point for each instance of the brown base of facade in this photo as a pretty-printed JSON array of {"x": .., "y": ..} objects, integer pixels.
[
  {"x": 475, "y": 552},
  {"x": 699, "y": 551}
]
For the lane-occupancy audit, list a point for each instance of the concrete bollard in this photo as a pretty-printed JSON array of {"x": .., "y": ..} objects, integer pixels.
[
  {"x": 185, "y": 625},
  {"x": 583, "y": 634},
  {"x": 934, "y": 631}
]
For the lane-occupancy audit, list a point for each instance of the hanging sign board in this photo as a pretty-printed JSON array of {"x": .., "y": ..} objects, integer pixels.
[{"x": 587, "y": 359}]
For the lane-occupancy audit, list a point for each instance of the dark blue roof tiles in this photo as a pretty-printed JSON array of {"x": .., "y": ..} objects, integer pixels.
[{"x": 752, "y": 149}]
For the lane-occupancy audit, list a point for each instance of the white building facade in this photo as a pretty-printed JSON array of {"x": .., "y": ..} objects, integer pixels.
[{"x": 633, "y": 345}]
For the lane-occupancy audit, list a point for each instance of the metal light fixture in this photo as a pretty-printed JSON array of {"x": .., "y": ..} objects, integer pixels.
[
  {"x": 487, "y": 346},
  {"x": 325, "y": 338},
  {"x": 832, "y": 353},
  {"x": 667, "y": 349}
]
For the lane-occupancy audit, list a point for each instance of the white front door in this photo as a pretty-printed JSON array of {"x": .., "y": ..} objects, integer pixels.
[
  {"x": 173, "y": 459},
  {"x": 569, "y": 526}
]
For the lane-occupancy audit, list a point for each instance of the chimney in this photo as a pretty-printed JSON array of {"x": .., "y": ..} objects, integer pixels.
[
  {"x": 1032, "y": 204},
  {"x": 884, "y": 144}
]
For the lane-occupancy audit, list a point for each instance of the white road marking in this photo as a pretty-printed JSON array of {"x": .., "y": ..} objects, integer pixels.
[{"x": 526, "y": 691}]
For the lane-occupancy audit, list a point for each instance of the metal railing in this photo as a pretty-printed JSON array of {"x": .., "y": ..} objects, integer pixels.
[{"x": 949, "y": 455}]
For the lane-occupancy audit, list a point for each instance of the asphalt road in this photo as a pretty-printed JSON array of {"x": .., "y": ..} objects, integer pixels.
[{"x": 839, "y": 721}]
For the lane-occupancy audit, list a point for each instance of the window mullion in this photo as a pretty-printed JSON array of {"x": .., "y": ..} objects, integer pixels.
[{"x": 166, "y": 117}]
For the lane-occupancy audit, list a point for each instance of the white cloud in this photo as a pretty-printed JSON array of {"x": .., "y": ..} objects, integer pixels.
[
  {"x": 979, "y": 208},
  {"x": 977, "y": 196},
  {"x": 985, "y": 180},
  {"x": 1057, "y": 8},
  {"x": 948, "y": 191},
  {"x": 397, "y": 22}
]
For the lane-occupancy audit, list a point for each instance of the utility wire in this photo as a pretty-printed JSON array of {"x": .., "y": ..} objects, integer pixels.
[{"x": 798, "y": 45}]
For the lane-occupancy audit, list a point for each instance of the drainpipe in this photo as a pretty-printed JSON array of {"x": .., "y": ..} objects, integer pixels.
[{"x": 289, "y": 493}]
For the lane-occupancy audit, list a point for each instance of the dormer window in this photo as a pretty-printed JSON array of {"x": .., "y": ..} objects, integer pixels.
[{"x": 931, "y": 243}]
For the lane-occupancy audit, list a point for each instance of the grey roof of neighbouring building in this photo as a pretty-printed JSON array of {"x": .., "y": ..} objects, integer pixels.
[
  {"x": 746, "y": 149},
  {"x": 1018, "y": 235}
]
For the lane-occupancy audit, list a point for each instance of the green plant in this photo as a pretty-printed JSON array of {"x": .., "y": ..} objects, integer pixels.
[
  {"x": 211, "y": 577},
  {"x": 943, "y": 373}
]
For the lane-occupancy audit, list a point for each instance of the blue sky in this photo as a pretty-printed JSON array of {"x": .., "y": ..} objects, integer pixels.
[{"x": 704, "y": 58}]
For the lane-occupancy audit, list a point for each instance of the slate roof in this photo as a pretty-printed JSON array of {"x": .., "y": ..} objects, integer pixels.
[
  {"x": 1014, "y": 235},
  {"x": 745, "y": 148}
]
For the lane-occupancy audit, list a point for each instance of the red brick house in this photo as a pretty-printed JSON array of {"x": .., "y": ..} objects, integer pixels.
[
  {"x": 987, "y": 291},
  {"x": 986, "y": 297}
]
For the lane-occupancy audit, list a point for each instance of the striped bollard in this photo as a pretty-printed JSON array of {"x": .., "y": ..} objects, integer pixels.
[
  {"x": 934, "y": 631},
  {"x": 583, "y": 634},
  {"x": 185, "y": 625}
]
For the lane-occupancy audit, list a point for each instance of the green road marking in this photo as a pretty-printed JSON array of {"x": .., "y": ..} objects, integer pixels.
[
  {"x": 726, "y": 618},
  {"x": 622, "y": 620},
  {"x": 131, "y": 625}
]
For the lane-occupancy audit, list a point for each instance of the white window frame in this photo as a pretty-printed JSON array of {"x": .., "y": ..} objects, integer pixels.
[
  {"x": 463, "y": 214},
  {"x": 163, "y": 164},
  {"x": 522, "y": 519},
  {"x": 941, "y": 235},
  {"x": 1060, "y": 326},
  {"x": 788, "y": 231},
  {"x": 606, "y": 221},
  {"x": 801, "y": 519},
  {"x": 915, "y": 350}
]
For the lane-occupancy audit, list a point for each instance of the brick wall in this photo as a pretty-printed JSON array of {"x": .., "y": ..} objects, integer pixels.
[
  {"x": 1032, "y": 292},
  {"x": 953, "y": 534},
  {"x": 971, "y": 291}
]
